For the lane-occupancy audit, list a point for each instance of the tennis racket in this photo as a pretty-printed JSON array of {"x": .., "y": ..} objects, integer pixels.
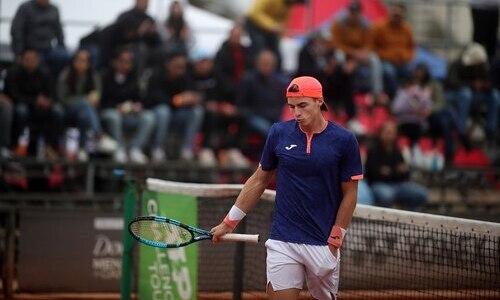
[{"x": 162, "y": 232}]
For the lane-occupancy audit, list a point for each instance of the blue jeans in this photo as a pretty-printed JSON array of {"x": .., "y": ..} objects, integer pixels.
[
  {"x": 142, "y": 123},
  {"x": 392, "y": 74},
  {"x": 409, "y": 194},
  {"x": 365, "y": 195},
  {"x": 189, "y": 119},
  {"x": 259, "y": 124},
  {"x": 462, "y": 100},
  {"x": 82, "y": 114},
  {"x": 56, "y": 59}
]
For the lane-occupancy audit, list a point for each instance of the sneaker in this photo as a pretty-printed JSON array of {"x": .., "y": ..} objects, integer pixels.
[
  {"x": 187, "y": 154},
  {"x": 5, "y": 153},
  {"x": 107, "y": 144},
  {"x": 83, "y": 156},
  {"x": 207, "y": 158},
  {"x": 120, "y": 156},
  {"x": 158, "y": 155},
  {"x": 138, "y": 157},
  {"x": 237, "y": 159}
]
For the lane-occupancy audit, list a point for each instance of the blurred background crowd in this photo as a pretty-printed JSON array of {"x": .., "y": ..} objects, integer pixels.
[{"x": 140, "y": 90}]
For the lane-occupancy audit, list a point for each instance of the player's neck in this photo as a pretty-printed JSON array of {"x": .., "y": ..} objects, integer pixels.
[{"x": 318, "y": 125}]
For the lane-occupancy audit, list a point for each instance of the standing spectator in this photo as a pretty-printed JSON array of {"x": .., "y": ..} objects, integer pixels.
[
  {"x": 176, "y": 31},
  {"x": 388, "y": 174},
  {"x": 222, "y": 123},
  {"x": 6, "y": 113},
  {"x": 261, "y": 96},
  {"x": 231, "y": 62},
  {"x": 172, "y": 98},
  {"x": 471, "y": 87},
  {"x": 135, "y": 29},
  {"x": 485, "y": 18},
  {"x": 122, "y": 108},
  {"x": 79, "y": 90},
  {"x": 35, "y": 109},
  {"x": 393, "y": 42},
  {"x": 265, "y": 24},
  {"x": 351, "y": 34},
  {"x": 37, "y": 26}
]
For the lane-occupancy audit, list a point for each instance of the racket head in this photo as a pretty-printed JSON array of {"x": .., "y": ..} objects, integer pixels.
[{"x": 162, "y": 232}]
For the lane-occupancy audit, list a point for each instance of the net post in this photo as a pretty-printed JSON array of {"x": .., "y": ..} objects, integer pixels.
[
  {"x": 239, "y": 264},
  {"x": 128, "y": 215}
]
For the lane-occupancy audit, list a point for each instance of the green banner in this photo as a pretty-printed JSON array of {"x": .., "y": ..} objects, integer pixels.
[{"x": 169, "y": 273}]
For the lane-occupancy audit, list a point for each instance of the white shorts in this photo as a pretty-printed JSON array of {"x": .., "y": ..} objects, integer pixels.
[{"x": 290, "y": 265}]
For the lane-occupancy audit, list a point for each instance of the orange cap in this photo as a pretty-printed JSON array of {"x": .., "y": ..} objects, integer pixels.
[{"x": 305, "y": 86}]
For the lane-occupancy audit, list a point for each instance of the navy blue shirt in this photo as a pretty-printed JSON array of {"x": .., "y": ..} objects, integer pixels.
[{"x": 309, "y": 174}]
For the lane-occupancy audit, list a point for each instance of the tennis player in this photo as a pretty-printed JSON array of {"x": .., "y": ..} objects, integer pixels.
[{"x": 317, "y": 165}]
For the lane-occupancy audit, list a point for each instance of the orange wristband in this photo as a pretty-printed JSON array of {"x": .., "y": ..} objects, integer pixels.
[{"x": 336, "y": 236}]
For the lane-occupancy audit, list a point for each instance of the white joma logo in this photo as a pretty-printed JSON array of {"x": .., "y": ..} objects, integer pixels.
[{"x": 290, "y": 147}]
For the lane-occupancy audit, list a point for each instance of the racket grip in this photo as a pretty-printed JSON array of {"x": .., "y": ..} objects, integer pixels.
[{"x": 238, "y": 237}]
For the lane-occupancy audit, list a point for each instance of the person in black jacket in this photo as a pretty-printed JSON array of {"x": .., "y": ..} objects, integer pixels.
[
  {"x": 172, "y": 98},
  {"x": 36, "y": 25},
  {"x": 122, "y": 108},
  {"x": 388, "y": 174},
  {"x": 31, "y": 91}
]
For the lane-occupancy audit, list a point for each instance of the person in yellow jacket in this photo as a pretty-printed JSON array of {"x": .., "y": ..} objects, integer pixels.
[{"x": 265, "y": 23}]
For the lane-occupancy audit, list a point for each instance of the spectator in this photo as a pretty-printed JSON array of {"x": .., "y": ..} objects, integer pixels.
[
  {"x": 314, "y": 55},
  {"x": 393, "y": 42},
  {"x": 172, "y": 98},
  {"x": 222, "y": 123},
  {"x": 79, "y": 90},
  {"x": 6, "y": 113},
  {"x": 261, "y": 96},
  {"x": 471, "y": 87},
  {"x": 35, "y": 109},
  {"x": 411, "y": 107},
  {"x": 135, "y": 29},
  {"x": 176, "y": 32},
  {"x": 485, "y": 19},
  {"x": 231, "y": 62},
  {"x": 266, "y": 22},
  {"x": 122, "y": 109},
  {"x": 351, "y": 34},
  {"x": 37, "y": 26},
  {"x": 388, "y": 174}
]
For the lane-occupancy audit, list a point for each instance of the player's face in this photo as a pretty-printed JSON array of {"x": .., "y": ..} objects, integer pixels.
[{"x": 304, "y": 109}]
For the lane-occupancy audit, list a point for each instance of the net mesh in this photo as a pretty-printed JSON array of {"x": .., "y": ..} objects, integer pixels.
[
  {"x": 386, "y": 254},
  {"x": 160, "y": 232}
]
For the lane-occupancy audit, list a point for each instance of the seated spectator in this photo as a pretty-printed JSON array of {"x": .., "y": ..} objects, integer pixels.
[
  {"x": 37, "y": 26},
  {"x": 222, "y": 123},
  {"x": 411, "y": 107},
  {"x": 393, "y": 42},
  {"x": 351, "y": 34},
  {"x": 122, "y": 109},
  {"x": 261, "y": 95},
  {"x": 388, "y": 174},
  {"x": 6, "y": 113},
  {"x": 231, "y": 62},
  {"x": 172, "y": 98},
  {"x": 472, "y": 88},
  {"x": 314, "y": 55},
  {"x": 35, "y": 110},
  {"x": 79, "y": 90}
]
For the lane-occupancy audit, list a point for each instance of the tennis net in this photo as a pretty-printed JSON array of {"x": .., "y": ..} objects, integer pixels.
[{"x": 387, "y": 253}]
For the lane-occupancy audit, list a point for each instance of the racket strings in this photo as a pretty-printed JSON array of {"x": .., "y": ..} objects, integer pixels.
[{"x": 161, "y": 232}]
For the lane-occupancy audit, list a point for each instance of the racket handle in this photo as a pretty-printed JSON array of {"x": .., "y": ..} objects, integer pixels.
[{"x": 238, "y": 237}]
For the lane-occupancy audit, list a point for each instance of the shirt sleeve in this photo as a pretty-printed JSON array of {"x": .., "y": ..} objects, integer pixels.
[
  {"x": 350, "y": 167},
  {"x": 269, "y": 160}
]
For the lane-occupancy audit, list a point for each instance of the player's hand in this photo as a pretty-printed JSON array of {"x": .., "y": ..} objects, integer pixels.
[{"x": 219, "y": 231}]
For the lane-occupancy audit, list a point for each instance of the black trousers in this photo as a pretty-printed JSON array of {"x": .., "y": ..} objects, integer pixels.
[{"x": 485, "y": 22}]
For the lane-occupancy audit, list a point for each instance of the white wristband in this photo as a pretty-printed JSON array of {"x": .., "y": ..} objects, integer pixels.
[{"x": 236, "y": 214}]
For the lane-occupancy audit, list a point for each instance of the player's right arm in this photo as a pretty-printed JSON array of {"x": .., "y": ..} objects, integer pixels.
[{"x": 247, "y": 199}]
